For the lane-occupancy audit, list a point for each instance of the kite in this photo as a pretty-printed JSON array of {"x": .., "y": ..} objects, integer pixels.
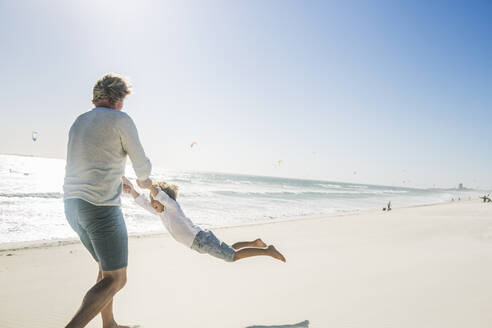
[
  {"x": 193, "y": 144},
  {"x": 279, "y": 162},
  {"x": 34, "y": 135}
]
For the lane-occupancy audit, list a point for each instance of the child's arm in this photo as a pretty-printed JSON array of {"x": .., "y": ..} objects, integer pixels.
[
  {"x": 163, "y": 198},
  {"x": 153, "y": 190},
  {"x": 131, "y": 191},
  {"x": 128, "y": 188},
  {"x": 145, "y": 203},
  {"x": 139, "y": 199}
]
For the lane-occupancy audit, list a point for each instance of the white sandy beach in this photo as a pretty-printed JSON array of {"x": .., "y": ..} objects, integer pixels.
[{"x": 427, "y": 266}]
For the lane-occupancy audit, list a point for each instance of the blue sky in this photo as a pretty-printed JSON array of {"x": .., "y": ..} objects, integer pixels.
[{"x": 393, "y": 90}]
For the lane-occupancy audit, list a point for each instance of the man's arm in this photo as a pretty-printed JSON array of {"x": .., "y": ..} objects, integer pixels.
[
  {"x": 145, "y": 184},
  {"x": 131, "y": 144},
  {"x": 148, "y": 185}
]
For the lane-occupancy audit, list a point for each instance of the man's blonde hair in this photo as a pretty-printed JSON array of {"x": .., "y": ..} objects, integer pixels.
[
  {"x": 111, "y": 87},
  {"x": 170, "y": 189}
]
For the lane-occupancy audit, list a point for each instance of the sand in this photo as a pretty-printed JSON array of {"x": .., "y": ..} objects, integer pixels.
[{"x": 427, "y": 266}]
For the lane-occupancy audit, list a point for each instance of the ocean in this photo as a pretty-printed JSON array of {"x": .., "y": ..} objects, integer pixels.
[{"x": 31, "y": 199}]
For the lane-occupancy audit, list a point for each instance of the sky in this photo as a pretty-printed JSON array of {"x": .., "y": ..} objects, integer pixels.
[{"x": 380, "y": 92}]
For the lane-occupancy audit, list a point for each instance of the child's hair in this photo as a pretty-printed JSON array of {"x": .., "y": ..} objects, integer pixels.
[{"x": 170, "y": 189}]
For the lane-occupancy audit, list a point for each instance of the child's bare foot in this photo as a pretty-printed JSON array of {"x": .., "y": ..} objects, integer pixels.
[
  {"x": 259, "y": 243},
  {"x": 272, "y": 251}
]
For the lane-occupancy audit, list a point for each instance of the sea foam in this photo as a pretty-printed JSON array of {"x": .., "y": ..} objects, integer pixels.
[{"x": 31, "y": 199}]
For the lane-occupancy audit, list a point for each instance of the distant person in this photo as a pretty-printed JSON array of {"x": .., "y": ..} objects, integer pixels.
[
  {"x": 388, "y": 208},
  {"x": 162, "y": 202},
  {"x": 98, "y": 144}
]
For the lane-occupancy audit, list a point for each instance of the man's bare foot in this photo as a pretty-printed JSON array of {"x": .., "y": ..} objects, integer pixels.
[
  {"x": 259, "y": 243},
  {"x": 272, "y": 251}
]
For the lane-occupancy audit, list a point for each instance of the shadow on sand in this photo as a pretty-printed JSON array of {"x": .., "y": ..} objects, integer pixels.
[{"x": 303, "y": 324}]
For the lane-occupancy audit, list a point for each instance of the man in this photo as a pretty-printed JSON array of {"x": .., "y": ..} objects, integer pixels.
[{"x": 98, "y": 144}]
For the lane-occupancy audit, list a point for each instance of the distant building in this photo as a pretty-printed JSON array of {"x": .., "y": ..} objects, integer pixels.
[{"x": 460, "y": 186}]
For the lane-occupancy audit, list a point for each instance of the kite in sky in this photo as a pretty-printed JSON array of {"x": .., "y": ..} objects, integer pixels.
[
  {"x": 34, "y": 135},
  {"x": 194, "y": 143}
]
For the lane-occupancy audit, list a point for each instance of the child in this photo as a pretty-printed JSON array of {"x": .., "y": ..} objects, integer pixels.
[{"x": 162, "y": 201}]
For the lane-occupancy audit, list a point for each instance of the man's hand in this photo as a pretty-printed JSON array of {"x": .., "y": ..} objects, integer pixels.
[{"x": 145, "y": 184}]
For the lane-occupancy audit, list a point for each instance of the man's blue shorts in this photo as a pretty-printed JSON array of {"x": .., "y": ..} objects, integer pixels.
[{"x": 102, "y": 230}]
